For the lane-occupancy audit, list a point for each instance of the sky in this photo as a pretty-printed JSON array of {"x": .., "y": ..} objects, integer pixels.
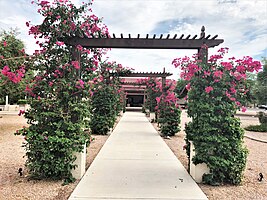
[{"x": 241, "y": 23}]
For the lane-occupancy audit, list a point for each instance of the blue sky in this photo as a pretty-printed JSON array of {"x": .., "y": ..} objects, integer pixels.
[{"x": 241, "y": 23}]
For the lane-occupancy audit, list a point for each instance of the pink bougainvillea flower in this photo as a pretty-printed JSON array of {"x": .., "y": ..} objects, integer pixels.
[
  {"x": 233, "y": 90},
  {"x": 21, "y": 112},
  {"x": 94, "y": 17},
  {"x": 206, "y": 73},
  {"x": 243, "y": 109},
  {"x": 240, "y": 69},
  {"x": 44, "y": 3},
  {"x": 75, "y": 64},
  {"x": 232, "y": 99},
  {"x": 95, "y": 62},
  {"x": 5, "y": 70},
  {"x": 227, "y": 65},
  {"x": 81, "y": 83},
  {"x": 208, "y": 89},
  {"x": 238, "y": 103},
  {"x": 232, "y": 58},
  {"x": 158, "y": 100},
  {"x": 188, "y": 86},
  {"x": 60, "y": 43},
  {"x": 4, "y": 43},
  {"x": 218, "y": 74},
  {"x": 15, "y": 78},
  {"x": 79, "y": 47}
]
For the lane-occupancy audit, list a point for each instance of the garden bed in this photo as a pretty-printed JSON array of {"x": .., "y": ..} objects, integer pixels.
[
  {"x": 250, "y": 188},
  {"x": 14, "y": 186}
]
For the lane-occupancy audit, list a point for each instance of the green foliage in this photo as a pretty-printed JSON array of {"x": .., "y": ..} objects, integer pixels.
[
  {"x": 12, "y": 55},
  {"x": 219, "y": 146},
  {"x": 261, "y": 85},
  {"x": 218, "y": 89},
  {"x": 168, "y": 111},
  {"x": 105, "y": 109},
  {"x": 59, "y": 94},
  {"x": 251, "y": 85},
  {"x": 50, "y": 147},
  {"x": 216, "y": 134},
  {"x": 152, "y": 92},
  {"x": 164, "y": 103},
  {"x": 262, "y": 117},
  {"x": 22, "y": 101},
  {"x": 169, "y": 119},
  {"x": 257, "y": 128},
  {"x": 180, "y": 88},
  {"x": 107, "y": 100}
]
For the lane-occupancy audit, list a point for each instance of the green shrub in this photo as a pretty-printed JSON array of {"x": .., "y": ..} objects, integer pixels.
[
  {"x": 58, "y": 95},
  {"x": 169, "y": 118},
  {"x": 257, "y": 128},
  {"x": 214, "y": 96},
  {"x": 262, "y": 117},
  {"x": 22, "y": 101}
]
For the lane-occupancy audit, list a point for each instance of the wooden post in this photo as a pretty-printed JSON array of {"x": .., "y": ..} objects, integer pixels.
[
  {"x": 203, "y": 51},
  {"x": 76, "y": 75},
  {"x": 163, "y": 80}
]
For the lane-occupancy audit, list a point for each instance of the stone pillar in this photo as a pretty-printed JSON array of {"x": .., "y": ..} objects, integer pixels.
[
  {"x": 197, "y": 171},
  {"x": 7, "y": 100},
  {"x": 6, "y": 107},
  {"x": 80, "y": 161}
]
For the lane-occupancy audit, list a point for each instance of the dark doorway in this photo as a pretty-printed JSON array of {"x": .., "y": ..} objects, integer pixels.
[{"x": 135, "y": 100}]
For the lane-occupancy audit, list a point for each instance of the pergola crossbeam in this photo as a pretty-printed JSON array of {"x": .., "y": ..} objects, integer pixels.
[
  {"x": 144, "y": 43},
  {"x": 147, "y": 74}
]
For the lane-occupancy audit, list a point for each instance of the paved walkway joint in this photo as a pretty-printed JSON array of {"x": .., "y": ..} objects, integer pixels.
[{"x": 135, "y": 163}]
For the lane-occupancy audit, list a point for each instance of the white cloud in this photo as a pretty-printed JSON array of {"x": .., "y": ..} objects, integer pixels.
[{"x": 242, "y": 24}]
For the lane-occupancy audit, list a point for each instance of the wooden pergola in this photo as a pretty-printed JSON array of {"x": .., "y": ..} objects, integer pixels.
[
  {"x": 161, "y": 75},
  {"x": 153, "y": 42},
  {"x": 147, "y": 42}
]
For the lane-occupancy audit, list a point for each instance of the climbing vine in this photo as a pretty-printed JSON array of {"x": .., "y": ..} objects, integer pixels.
[
  {"x": 164, "y": 102},
  {"x": 108, "y": 98},
  {"x": 60, "y": 92},
  {"x": 217, "y": 89}
]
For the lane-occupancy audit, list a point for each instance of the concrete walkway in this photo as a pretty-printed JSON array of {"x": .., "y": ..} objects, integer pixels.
[{"x": 135, "y": 163}]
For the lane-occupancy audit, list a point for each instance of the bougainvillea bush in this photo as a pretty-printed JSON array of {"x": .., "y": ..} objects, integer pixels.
[
  {"x": 108, "y": 98},
  {"x": 153, "y": 90},
  {"x": 14, "y": 74},
  {"x": 59, "y": 93},
  {"x": 168, "y": 110},
  {"x": 217, "y": 89},
  {"x": 164, "y": 102}
]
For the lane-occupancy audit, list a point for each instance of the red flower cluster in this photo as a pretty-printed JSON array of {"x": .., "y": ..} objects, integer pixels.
[
  {"x": 216, "y": 71},
  {"x": 14, "y": 77}
]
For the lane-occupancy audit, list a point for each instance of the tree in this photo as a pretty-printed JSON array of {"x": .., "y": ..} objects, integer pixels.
[
  {"x": 261, "y": 84},
  {"x": 251, "y": 85},
  {"x": 12, "y": 60}
]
